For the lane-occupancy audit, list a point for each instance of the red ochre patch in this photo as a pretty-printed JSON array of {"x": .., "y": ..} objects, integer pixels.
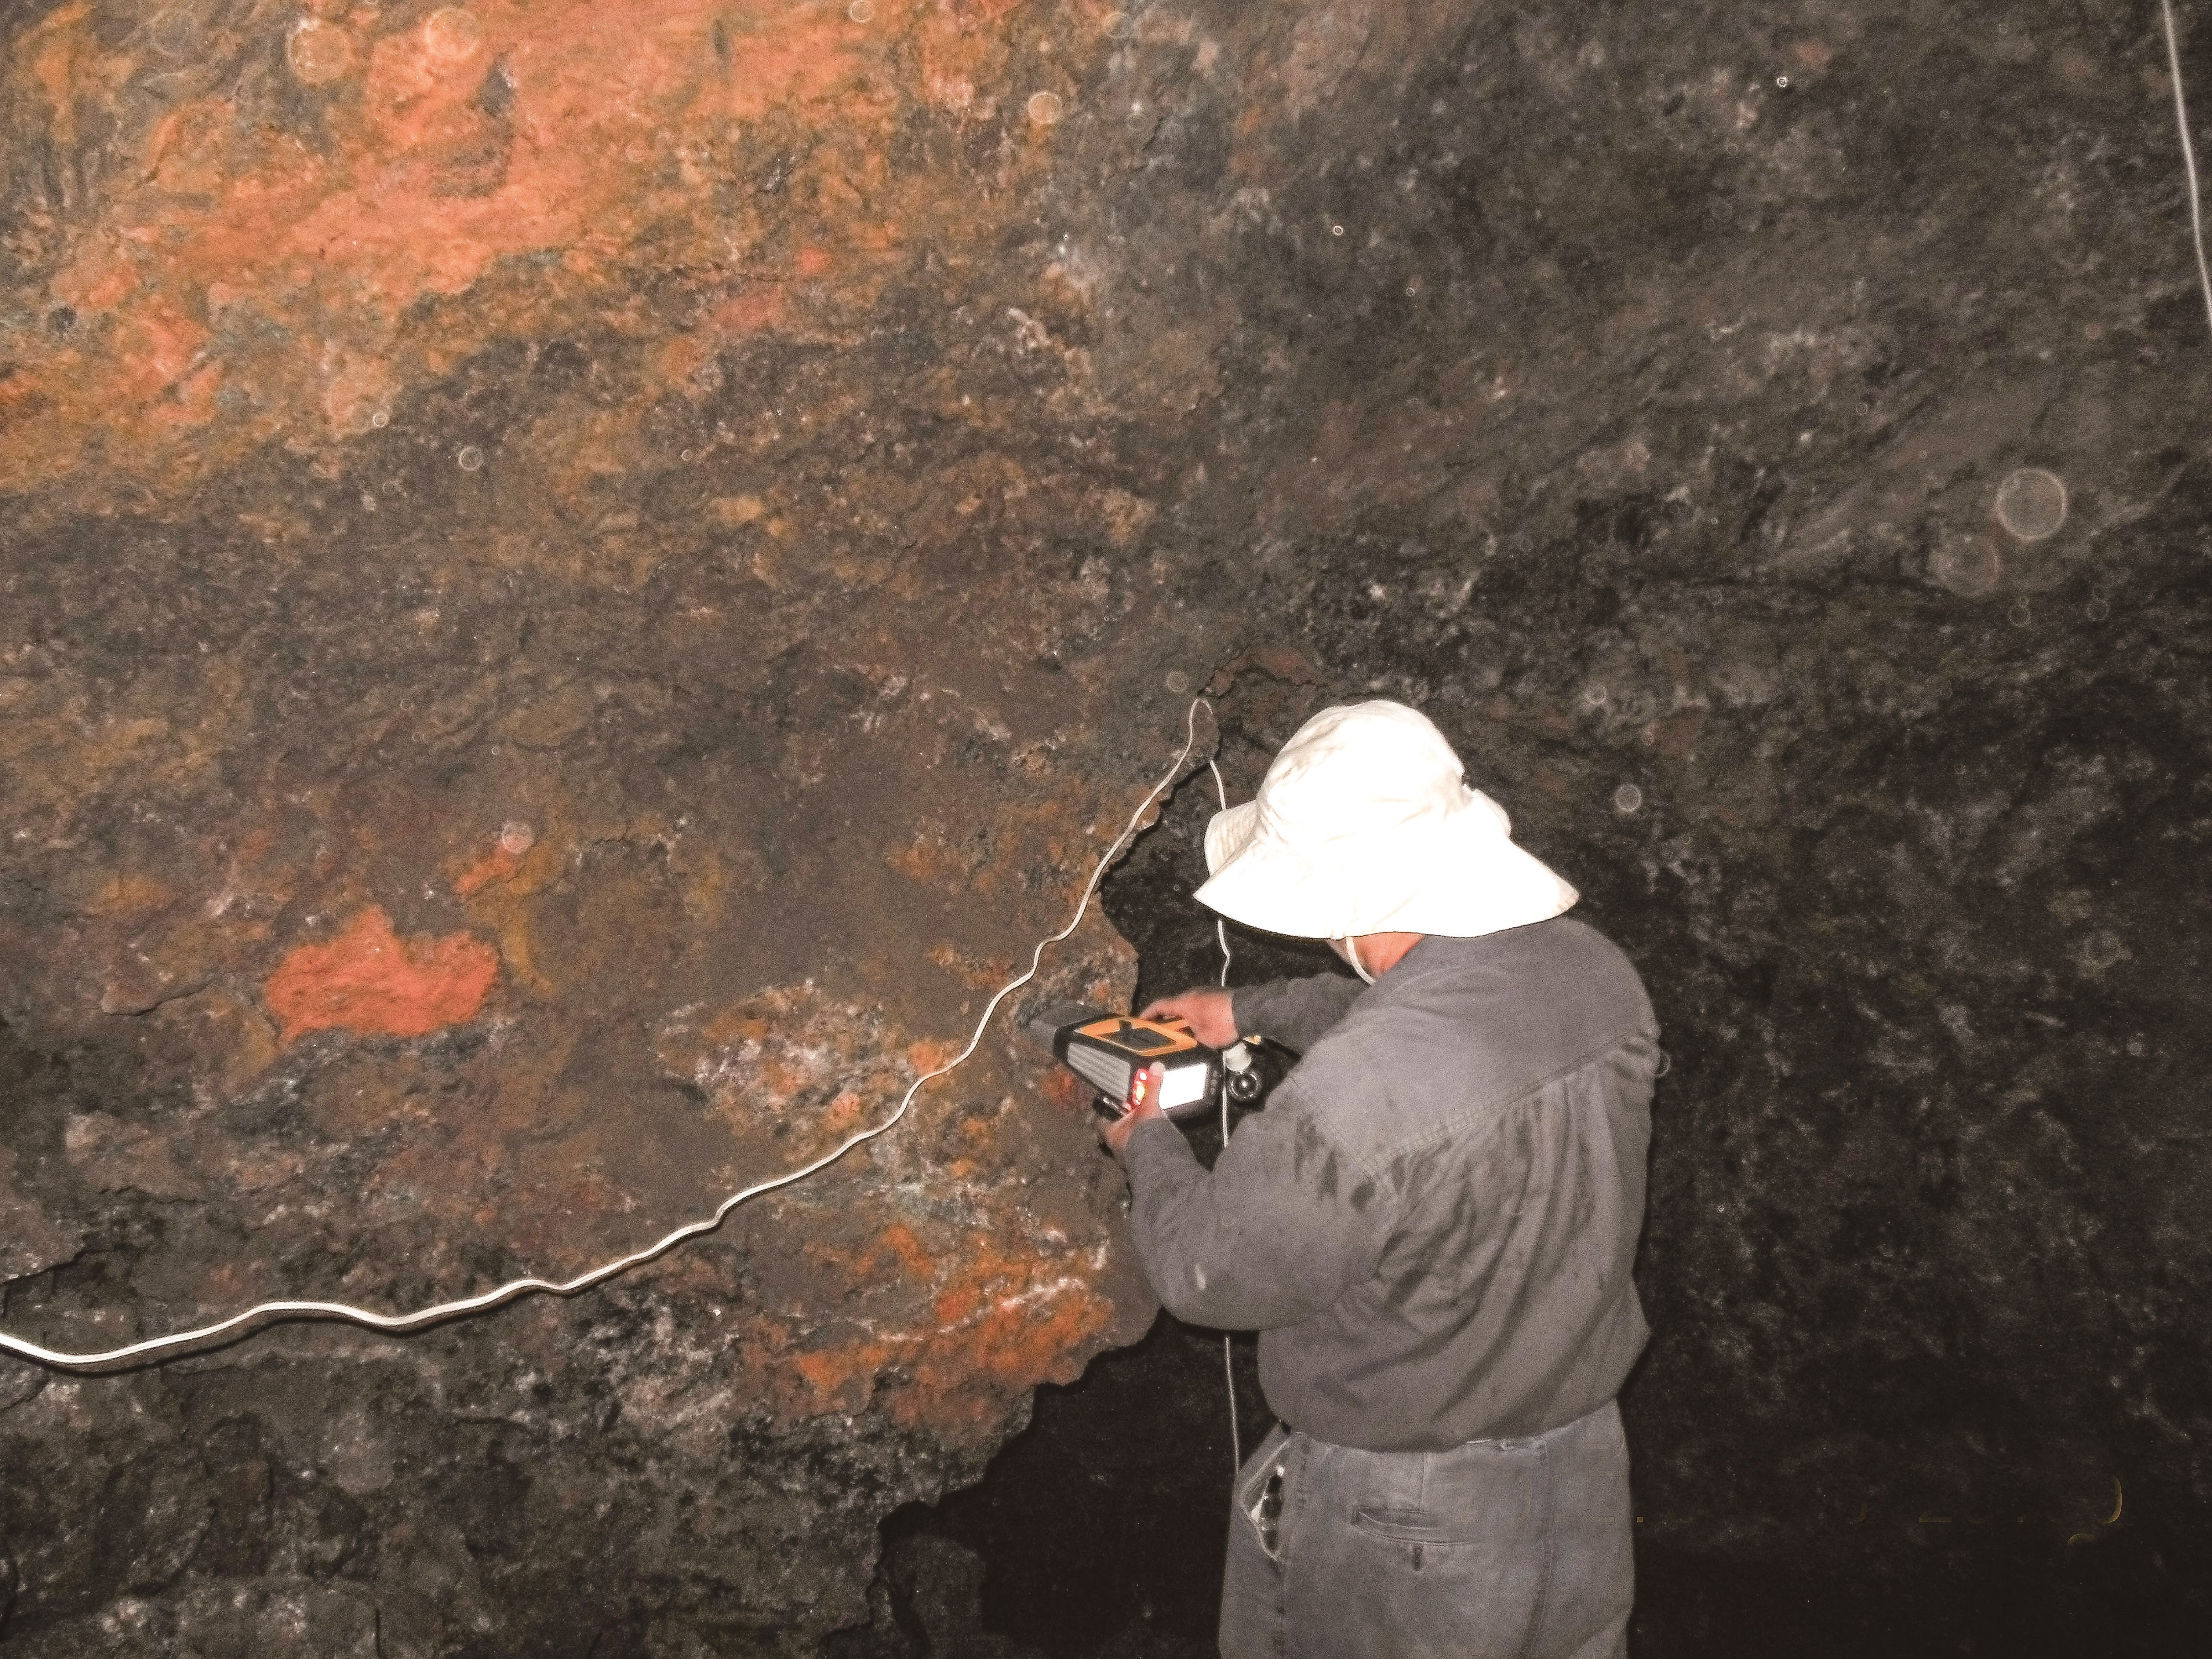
[
  {"x": 369, "y": 979},
  {"x": 498, "y": 864}
]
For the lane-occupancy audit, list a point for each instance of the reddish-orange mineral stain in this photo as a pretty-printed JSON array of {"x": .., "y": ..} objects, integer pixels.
[
  {"x": 497, "y": 864},
  {"x": 369, "y": 979},
  {"x": 606, "y": 126}
]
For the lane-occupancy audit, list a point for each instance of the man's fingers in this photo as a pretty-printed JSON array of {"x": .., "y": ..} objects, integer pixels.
[
  {"x": 1116, "y": 1135},
  {"x": 1207, "y": 1010},
  {"x": 1182, "y": 1002}
]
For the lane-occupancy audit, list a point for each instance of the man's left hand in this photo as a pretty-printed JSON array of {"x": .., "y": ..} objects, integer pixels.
[{"x": 1115, "y": 1132}]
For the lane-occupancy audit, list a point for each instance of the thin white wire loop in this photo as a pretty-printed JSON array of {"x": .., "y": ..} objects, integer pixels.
[
  {"x": 235, "y": 1326},
  {"x": 1221, "y": 923},
  {"x": 2188, "y": 158}
]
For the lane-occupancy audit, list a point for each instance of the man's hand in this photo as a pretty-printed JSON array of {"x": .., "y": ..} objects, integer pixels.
[
  {"x": 1207, "y": 1011},
  {"x": 1115, "y": 1132}
]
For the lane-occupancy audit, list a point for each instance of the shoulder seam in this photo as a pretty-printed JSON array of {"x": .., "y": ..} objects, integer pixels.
[
  {"x": 1321, "y": 1116},
  {"x": 1420, "y": 975},
  {"x": 1501, "y": 1105}
]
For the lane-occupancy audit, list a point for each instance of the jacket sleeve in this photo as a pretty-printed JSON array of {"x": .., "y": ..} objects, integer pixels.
[
  {"x": 1283, "y": 1225},
  {"x": 1295, "y": 1012}
]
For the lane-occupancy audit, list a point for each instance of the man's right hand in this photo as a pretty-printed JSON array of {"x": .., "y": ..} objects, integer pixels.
[{"x": 1207, "y": 1011}]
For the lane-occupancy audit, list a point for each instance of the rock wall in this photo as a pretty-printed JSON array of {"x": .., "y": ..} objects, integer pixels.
[{"x": 578, "y": 582}]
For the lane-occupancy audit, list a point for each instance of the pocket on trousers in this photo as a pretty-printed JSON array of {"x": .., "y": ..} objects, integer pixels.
[
  {"x": 1407, "y": 1527},
  {"x": 1262, "y": 1490}
]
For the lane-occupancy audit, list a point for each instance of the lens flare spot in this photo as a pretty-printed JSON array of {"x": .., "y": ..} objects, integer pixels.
[
  {"x": 2031, "y": 503},
  {"x": 453, "y": 34},
  {"x": 319, "y": 53},
  {"x": 1968, "y": 565}
]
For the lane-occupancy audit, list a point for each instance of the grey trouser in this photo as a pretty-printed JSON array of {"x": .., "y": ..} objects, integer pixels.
[{"x": 1498, "y": 1549}]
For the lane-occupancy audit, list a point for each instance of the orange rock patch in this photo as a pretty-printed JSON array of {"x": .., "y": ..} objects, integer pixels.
[
  {"x": 498, "y": 864},
  {"x": 1005, "y": 1321},
  {"x": 489, "y": 132},
  {"x": 370, "y": 980}
]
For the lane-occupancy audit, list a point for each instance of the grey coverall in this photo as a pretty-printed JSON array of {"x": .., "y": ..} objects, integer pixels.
[{"x": 1432, "y": 1226}]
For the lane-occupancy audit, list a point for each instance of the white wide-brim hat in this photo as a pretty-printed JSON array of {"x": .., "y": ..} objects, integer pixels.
[{"x": 1366, "y": 825}]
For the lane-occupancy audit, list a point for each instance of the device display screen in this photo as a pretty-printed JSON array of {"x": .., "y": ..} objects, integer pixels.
[{"x": 1181, "y": 1086}]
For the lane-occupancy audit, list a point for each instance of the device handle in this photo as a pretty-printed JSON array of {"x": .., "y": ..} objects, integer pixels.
[{"x": 1244, "y": 1080}]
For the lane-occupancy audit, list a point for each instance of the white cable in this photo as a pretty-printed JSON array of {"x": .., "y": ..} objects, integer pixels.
[
  {"x": 2188, "y": 158},
  {"x": 1228, "y": 1354},
  {"x": 1229, "y": 1374},
  {"x": 168, "y": 1345},
  {"x": 1221, "y": 923}
]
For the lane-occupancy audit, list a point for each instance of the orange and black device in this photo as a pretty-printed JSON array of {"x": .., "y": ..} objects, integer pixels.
[{"x": 1115, "y": 1054}]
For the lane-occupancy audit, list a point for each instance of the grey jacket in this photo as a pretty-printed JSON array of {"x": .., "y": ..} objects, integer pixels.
[{"x": 1432, "y": 1223}]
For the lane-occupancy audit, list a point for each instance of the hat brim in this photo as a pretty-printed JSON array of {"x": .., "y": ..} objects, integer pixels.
[
  {"x": 1227, "y": 834},
  {"x": 1459, "y": 878}
]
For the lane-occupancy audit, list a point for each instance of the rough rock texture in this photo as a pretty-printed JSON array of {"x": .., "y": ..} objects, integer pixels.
[
  {"x": 577, "y": 581},
  {"x": 540, "y": 691}
]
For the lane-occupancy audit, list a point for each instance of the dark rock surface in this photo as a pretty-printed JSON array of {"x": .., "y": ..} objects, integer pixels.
[{"x": 577, "y": 582}]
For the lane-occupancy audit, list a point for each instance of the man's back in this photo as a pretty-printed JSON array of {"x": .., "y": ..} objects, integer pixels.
[
  {"x": 1496, "y": 1093},
  {"x": 1432, "y": 1223}
]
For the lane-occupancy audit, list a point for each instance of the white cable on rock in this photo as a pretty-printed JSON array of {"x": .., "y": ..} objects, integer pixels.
[
  {"x": 2188, "y": 158},
  {"x": 169, "y": 1347}
]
